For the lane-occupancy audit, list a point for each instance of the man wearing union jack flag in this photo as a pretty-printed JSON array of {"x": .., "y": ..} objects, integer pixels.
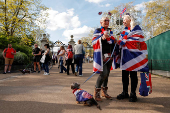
[
  {"x": 103, "y": 44},
  {"x": 133, "y": 56}
]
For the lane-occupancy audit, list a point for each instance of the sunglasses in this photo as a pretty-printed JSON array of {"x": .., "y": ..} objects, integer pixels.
[{"x": 106, "y": 20}]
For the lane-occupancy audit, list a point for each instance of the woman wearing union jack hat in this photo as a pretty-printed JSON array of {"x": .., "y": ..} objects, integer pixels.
[{"x": 133, "y": 56}]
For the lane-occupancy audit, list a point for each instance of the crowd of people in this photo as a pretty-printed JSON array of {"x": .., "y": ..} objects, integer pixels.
[{"x": 103, "y": 43}]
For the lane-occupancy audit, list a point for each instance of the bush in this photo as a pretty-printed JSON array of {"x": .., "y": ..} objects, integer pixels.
[
  {"x": 1, "y": 58},
  {"x": 20, "y": 58}
]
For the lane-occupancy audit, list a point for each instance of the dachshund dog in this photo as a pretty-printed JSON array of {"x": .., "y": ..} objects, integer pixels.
[
  {"x": 83, "y": 96},
  {"x": 24, "y": 71}
]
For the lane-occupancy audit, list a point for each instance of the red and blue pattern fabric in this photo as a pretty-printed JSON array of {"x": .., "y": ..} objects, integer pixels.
[
  {"x": 97, "y": 46},
  {"x": 82, "y": 95},
  {"x": 124, "y": 10},
  {"x": 146, "y": 84},
  {"x": 134, "y": 52}
]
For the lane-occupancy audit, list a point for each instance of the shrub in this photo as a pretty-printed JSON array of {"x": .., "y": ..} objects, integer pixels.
[{"x": 20, "y": 59}]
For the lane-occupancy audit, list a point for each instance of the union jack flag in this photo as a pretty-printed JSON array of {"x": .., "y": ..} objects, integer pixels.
[
  {"x": 109, "y": 13},
  {"x": 124, "y": 10},
  {"x": 97, "y": 46},
  {"x": 134, "y": 52},
  {"x": 146, "y": 84}
]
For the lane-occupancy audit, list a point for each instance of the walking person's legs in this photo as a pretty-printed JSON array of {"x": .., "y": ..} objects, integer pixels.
[
  {"x": 61, "y": 66},
  {"x": 72, "y": 67},
  {"x": 80, "y": 67},
  {"x": 35, "y": 65},
  {"x": 68, "y": 66},
  {"x": 38, "y": 64}
]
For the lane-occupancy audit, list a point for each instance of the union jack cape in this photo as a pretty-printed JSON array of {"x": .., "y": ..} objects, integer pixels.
[
  {"x": 134, "y": 52},
  {"x": 97, "y": 46}
]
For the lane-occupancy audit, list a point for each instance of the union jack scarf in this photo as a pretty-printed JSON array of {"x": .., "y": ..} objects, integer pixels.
[
  {"x": 134, "y": 52},
  {"x": 97, "y": 46}
]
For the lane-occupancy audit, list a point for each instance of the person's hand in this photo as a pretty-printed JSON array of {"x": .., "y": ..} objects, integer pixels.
[
  {"x": 12, "y": 53},
  {"x": 115, "y": 41},
  {"x": 4, "y": 57},
  {"x": 105, "y": 35},
  {"x": 34, "y": 54}
]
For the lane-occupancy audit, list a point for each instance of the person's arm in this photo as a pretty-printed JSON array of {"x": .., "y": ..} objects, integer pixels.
[
  {"x": 14, "y": 53},
  {"x": 47, "y": 52},
  {"x": 38, "y": 53},
  {"x": 4, "y": 55}
]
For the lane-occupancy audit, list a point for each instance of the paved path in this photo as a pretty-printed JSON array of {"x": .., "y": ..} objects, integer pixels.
[{"x": 36, "y": 93}]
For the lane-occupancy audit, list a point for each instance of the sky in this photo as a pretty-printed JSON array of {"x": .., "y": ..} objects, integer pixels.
[{"x": 78, "y": 17}]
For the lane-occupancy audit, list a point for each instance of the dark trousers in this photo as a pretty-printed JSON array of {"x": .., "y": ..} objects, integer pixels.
[
  {"x": 69, "y": 62},
  {"x": 125, "y": 80},
  {"x": 45, "y": 66},
  {"x": 79, "y": 61},
  {"x": 103, "y": 77}
]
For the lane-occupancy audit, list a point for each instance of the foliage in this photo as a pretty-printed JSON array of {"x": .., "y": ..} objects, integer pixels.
[
  {"x": 20, "y": 58},
  {"x": 157, "y": 16},
  {"x": 19, "y": 17}
]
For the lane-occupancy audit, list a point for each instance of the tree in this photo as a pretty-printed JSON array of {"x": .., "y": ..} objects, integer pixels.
[
  {"x": 157, "y": 16},
  {"x": 88, "y": 39},
  {"x": 19, "y": 17}
]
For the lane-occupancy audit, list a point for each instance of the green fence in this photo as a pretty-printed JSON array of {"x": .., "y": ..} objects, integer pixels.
[{"x": 159, "y": 52}]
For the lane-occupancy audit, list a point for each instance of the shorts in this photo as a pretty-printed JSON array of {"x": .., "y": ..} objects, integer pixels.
[
  {"x": 36, "y": 59},
  {"x": 9, "y": 61}
]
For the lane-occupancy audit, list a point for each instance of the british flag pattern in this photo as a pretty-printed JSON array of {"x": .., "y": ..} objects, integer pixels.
[
  {"x": 134, "y": 52},
  {"x": 97, "y": 46},
  {"x": 146, "y": 84}
]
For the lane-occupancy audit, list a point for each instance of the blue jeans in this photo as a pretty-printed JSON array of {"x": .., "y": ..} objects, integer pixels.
[
  {"x": 46, "y": 69},
  {"x": 79, "y": 61},
  {"x": 62, "y": 67}
]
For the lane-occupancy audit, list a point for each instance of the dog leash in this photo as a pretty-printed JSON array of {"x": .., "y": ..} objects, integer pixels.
[{"x": 103, "y": 65}]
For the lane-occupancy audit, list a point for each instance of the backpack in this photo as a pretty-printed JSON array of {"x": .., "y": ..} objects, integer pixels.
[{"x": 70, "y": 55}]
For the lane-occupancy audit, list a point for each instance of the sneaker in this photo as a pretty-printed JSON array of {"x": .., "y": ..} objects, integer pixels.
[
  {"x": 9, "y": 71},
  {"x": 45, "y": 73},
  {"x": 4, "y": 72},
  {"x": 123, "y": 95},
  {"x": 80, "y": 75},
  {"x": 38, "y": 71},
  {"x": 133, "y": 97}
]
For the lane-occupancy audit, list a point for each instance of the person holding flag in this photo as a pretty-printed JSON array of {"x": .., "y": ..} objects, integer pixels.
[
  {"x": 103, "y": 44},
  {"x": 133, "y": 56}
]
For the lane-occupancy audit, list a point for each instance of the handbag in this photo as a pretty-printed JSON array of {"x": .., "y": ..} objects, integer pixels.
[
  {"x": 145, "y": 85},
  {"x": 42, "y": 60}
]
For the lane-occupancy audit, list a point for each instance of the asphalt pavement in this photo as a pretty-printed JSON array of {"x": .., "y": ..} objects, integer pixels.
[{"x": 37, "y": 93}]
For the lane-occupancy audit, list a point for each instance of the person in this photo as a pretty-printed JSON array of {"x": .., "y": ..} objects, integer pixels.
[
  {"x": 78, "y": 52},
  {"x": 53, "y": 58},
  {"x": 69, "y": 59},
  {"x": 37, "y": 55},
  {"x": 88, "y": 58},
  {"x": 61, "y": 59},
  {"x": 131, "y": 35},
  {"x": 47, "y": 59},
  {"x": 8, "y": 55},
  {"x": 103, "y": 44}
]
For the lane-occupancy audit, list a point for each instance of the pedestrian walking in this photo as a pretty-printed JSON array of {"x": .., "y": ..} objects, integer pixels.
[
  {"x": 37, "y": 56},
  {"x": 8, "y": 55},
  {"x": 61, "y": 59},
  {"x": 103, "y": 44},
  {"x": 79, "y": 51},
  {"x": 47, "y": 59},
  {"x": 69, "y": 59}
]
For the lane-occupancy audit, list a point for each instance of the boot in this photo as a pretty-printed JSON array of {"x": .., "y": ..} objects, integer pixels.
[
  {"x": 104, "y": 93},
  {"x": 133, "y": 97},
  {"x": 123, "y": 95},
  {"x": 97, "y": 94}
]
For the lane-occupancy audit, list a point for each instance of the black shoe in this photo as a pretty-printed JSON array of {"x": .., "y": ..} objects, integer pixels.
[
  {"x": 133, "y": 97},
  {"x": 34, "y": 72},
  {"x": 123, "y": 95},
  {"x": 38, "y": 71},
  {"x": 4, "y": 72}
]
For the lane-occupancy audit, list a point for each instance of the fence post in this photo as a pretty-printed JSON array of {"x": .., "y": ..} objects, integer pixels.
[{"x": 151, "y": 66}]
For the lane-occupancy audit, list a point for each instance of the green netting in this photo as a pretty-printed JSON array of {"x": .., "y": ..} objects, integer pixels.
[{"x": 159, "y": 52}]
